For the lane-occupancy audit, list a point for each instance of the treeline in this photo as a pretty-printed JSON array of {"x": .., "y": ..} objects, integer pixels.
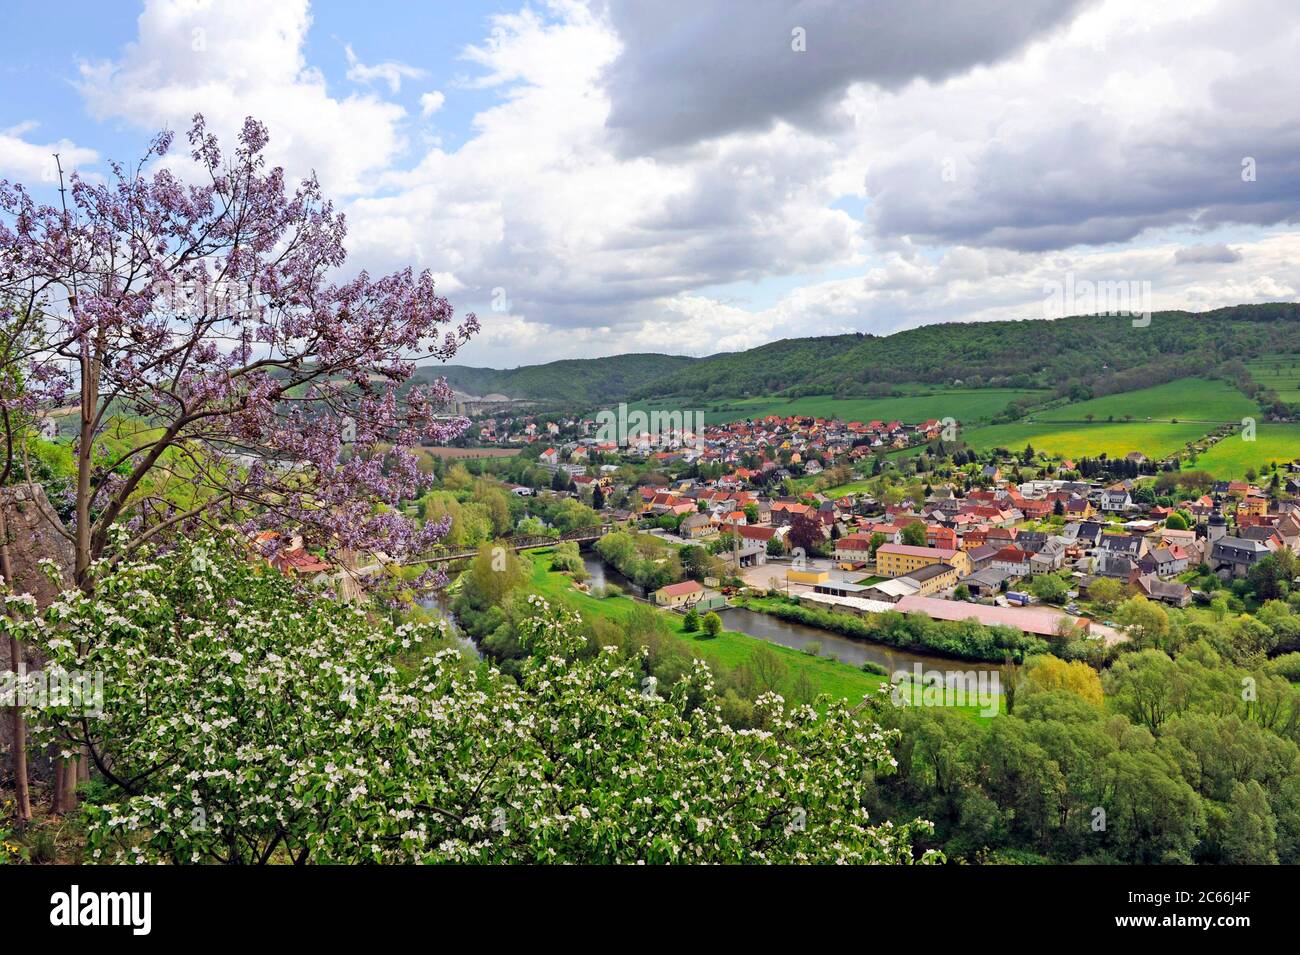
[
  {"x": 1078, "y": 357},
  {"x": 965, "y": 640},
  {"x": 575, "y": 381},
  {"x": 1185, "y": 759},
  {"x": 645, "y": 560},
  {"x": 497, "y": 605}
]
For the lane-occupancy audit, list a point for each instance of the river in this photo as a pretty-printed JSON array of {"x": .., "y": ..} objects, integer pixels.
[
  {"x": 441, "y": 605},
  {"x": 799, "y": 636}
]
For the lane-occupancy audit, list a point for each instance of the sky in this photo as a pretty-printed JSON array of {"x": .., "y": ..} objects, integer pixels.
[{"x": 595, "y": 178}]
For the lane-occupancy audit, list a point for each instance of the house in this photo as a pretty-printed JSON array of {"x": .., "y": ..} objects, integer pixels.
[
  {"x": 1164, "y": 561},
  {"x": 1078, "y": 509},
  {"x": 685, "y": 594},
  {"x": 898, "y": 560},
  {"x": 1252, "y": 507},
  {"x": 1234, "y": 556},
  {"x": 1011, "y": 560},
  {"x": 1049, "y": 559},
  {"x": 1084, "y": 534},
  {"x": 987, "y": 582},
  {"x": 853, "y": 547},
  {"x": 695, "y": 526},
  {"x": 1118, "y": 554},
  {"x": 981, "y": 558},
  {"x": 1116, "y": 499},
  {"x": 549, "y": 456},
  {"x": 1165, "y": 591}
]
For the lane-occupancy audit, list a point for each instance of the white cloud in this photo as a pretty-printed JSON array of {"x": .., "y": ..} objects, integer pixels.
[
  {"x": 389, "y": 71},
  {"x": 431, "y": 102},
  {"x": 238, "y": 58},
  {"x": 1110, "y": 146},
  {"x": 29, "y": 162}
]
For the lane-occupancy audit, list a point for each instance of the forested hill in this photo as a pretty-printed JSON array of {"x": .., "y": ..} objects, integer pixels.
[
  {"x": 579, "y": 381},
  {"x": 1098, "y": 353},
  {"x": 1087, "y": 355}
]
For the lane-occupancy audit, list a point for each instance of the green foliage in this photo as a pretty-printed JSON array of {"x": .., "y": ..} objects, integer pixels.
[
  {"x": 1180, "y": 345},
  {"x": 1049, "y": 588},
  {"x": 966, "y": 640},
  {"x": 712, "y": 624},
  {"x": 584, "y": 381},
  {"x": 289, "y": 735}
]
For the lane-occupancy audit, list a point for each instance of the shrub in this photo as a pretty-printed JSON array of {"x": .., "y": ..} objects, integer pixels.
[{"x": 291, "y": 736}]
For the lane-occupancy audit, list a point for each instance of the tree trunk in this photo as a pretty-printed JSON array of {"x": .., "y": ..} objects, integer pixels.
[
  {"x": 56, "y": 795},
  {"x": 65, "y": 785},
  {"x": 22, "y": 793}
]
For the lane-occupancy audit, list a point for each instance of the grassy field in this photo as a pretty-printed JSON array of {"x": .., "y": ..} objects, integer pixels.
[
  {"x": 1154, "y": 439},
  {"x": 1192, "y": 399},
  {"x": 965, "y": 404},
  {"x": 1280, "y": 373},
  {"x": 727, "y": 650},
  {"x": 1231, "y": 457}
]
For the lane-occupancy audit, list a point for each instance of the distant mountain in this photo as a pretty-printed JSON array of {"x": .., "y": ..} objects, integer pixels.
[
  {"x": 572, "y": 381},
  {"x": 1085, "y": 354},
  {"x": 1081, "y": 356}
]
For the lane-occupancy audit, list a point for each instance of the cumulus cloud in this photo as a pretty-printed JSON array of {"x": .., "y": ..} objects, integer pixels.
[
  {"x": 690, "y": 71},
  {"x": 24, "y": 161},
  {"x": 431, "y": 102},
  {"x": 1130, "y": 120},
  {"x": 1206, "y": 253},
  {"x": 239, "y": 58},
  {"x": 644, "y": 181}
]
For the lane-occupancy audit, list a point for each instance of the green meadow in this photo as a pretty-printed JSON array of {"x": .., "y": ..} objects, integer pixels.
[
  {"x": 1188, "y": 400},
  {"x": 1233, "y": 456}
]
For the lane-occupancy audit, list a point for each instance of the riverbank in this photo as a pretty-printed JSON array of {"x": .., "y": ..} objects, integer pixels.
[{"x": 728, "y": 649}]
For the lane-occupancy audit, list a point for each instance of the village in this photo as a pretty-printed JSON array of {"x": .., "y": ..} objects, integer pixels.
[{"x": 1021, "y": 554}]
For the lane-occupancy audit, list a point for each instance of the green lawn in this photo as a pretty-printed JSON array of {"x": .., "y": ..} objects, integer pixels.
[
  {"x": 1229, "y": 459},
  {"x": 1155, "y": 440},
  {"x": 727, "y": 650},
  {"x": 1191, "y": 399}
]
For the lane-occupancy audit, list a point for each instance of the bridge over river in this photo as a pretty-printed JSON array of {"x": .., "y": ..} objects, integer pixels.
[{"x": 520, "y": 542}]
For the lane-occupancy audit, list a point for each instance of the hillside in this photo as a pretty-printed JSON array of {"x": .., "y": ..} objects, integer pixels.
[
  {"x": 579, "y": 381},
  {"x": 1083, "y": 356}
]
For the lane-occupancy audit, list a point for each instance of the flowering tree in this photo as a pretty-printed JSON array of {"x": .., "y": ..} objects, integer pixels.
[
  {"x": 219, "y": 371},
  {"x": 245, "y": 724}
]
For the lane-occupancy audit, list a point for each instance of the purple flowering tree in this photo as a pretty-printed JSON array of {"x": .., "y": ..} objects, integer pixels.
[{"x": 221, "y": 371}]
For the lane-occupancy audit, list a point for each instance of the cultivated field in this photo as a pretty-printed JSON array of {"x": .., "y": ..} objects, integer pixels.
[
  {"x": 1192, "y": 399},
  {"x": 1154, "y": 439},
  {"x": 1233, "y": 456}
]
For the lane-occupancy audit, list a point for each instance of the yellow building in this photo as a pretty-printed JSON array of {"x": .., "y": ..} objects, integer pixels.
[
  {"x": 679, "y": 595},
  {"x": 933, "y": 579},
  {"x": 810, "y": 577},
  {"x": 899, "y": 560},
  {"x": 1252, "y": 507}
]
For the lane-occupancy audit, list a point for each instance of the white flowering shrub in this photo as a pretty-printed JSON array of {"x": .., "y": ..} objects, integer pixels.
[{"x": 246, "y": 722}]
